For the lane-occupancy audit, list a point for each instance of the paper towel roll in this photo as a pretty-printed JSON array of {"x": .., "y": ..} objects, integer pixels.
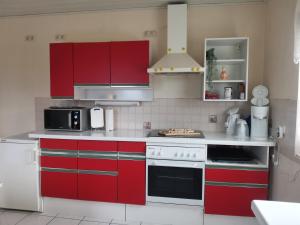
[{"x": 109, "y": 119}]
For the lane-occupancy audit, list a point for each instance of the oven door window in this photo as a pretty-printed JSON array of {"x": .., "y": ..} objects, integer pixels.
[{"x": 175, "y": 182}]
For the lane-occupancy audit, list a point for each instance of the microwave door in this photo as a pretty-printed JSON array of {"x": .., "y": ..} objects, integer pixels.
[{"x": 57, "y": 119}]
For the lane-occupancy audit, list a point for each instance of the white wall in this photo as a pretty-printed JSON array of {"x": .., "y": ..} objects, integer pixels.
[
  {"x": 24, "y": 66},
  {"x": 281, "y": 72},
  {"x": 281, "y": 76}
]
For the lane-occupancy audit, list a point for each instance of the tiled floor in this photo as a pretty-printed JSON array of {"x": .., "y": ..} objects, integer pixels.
[{"x": 11, "y": 217}]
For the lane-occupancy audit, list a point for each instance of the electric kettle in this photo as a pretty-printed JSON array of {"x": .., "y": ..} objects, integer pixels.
[{"x": 241, "y": 129}]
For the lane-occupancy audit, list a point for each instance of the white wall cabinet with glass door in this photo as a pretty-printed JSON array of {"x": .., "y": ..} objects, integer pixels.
[{"x": 226, "y": 69}]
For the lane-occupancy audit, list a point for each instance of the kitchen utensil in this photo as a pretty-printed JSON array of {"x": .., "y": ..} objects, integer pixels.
[
  {"x": 228, "y": 93},
  {"x": 97, "y": 120},
  {"x": 232, "y": 117},
  {"x": 242, "y": 129},
  {"x": 260, "y": 91}
]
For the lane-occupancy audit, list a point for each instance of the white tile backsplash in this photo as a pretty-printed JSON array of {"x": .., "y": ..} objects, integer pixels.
[{"x": 162, "y": 113}]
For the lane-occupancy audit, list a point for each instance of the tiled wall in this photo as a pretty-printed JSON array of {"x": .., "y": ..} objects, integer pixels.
[
  {"x": 285, "y": 177},
  {"x": 162, "y": 113}
]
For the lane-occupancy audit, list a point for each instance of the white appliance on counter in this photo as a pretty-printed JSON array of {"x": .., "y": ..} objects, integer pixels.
[
  {"x": 259, "y": 122},
  {"x": 109, "y": 119},
  {"x": 175, "y": 173},
  {"x": 19, "y": 173},
  {"x": 97, "y": 117},
  {"x": 232, "y": 118},
  {"x": 260, "y": 113}
]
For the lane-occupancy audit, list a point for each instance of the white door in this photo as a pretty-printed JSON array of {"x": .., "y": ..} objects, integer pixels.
[{"x": 19, "y": 176}]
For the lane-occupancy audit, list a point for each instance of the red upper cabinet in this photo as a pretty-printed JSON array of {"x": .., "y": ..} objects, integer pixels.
[
  {"x": 129, "y": 63},
  {"x": 61, "y": 70},
  {"x": 92, "y": 63}
]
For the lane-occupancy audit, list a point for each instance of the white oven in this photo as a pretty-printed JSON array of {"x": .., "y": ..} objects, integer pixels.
[{"x": 175, "y": 174}]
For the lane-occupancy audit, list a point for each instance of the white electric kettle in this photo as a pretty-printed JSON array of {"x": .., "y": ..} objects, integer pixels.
[{"x": 232, "y": 118}]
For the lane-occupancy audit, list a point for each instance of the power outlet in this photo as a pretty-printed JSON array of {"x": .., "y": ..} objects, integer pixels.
[
  {"x": 212, "y": 119},
  {"x": 280, "y": 132},
  {"x": 147, "y": 125}
]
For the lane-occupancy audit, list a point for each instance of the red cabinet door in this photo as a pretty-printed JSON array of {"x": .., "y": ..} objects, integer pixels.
[
  {"x": 132, "y": 181},
  {"x": 232, "y": 200},
  {"x": 59, "y": 183},
  {"x": 61, "y": 70},
  {"x": 92, "y": 63},
  {"x": 97, "y": 186},
  {"x": 132, "y": 173},
  {"x": 129, "y": 63}
]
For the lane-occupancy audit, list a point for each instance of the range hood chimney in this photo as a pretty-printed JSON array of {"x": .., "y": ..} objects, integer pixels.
[{"x": 177, "y": 59}]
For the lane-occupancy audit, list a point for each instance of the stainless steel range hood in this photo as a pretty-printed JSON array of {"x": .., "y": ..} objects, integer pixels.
[
  {"x": 114, "y": 93},
  {"x": 177, "y": 59}
]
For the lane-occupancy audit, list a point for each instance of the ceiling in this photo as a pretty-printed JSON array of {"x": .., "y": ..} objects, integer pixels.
[{"x": 33, "y": 7}]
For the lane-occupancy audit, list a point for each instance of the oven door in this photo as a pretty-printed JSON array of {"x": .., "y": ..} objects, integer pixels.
[{"x": 176, "y": 182}]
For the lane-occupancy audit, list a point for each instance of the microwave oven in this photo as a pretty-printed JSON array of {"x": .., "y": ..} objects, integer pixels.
[{"x": 68, "y": 119}]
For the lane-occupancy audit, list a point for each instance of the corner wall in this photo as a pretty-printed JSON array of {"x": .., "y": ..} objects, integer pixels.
[{"x": 281, "y": 77}]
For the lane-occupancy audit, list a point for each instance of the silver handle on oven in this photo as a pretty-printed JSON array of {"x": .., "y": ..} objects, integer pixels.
[{"x": 185, "y": 164}]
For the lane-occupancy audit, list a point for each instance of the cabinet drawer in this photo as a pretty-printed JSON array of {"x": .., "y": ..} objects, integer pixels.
[
  {"x": 110, "y": 146},
  {"x": 59, "y": 183},
  {"x": 58, "y": 144},
  {"x": 97, "y": 164},
  {"x": 132, "y": 147},
  {"x": 97, "y": 186},
  {"x": 232, "y": 200},
  {"x": 243, "y": 175},
  {"x": 58, "y": 162}
]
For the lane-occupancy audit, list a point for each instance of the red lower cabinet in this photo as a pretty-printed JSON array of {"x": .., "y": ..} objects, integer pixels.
[
  {"x": 97, "y": 187},
  {"x": 231, "y": 200},
  {"x": 59, "y": 184},
  {"x": 131, "y": 183},
  {"x": 230, "y": 190},
  {"x": 132, "y": 173}
]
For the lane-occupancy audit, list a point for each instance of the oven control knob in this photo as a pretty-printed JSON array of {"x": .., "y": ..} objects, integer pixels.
[
  {"x": 194, "y": 156},
  {"x": 153, "y": 153},
  {"x": 188, "y": 155},
  {"x": 158, "y": 153},
  {"x": 181, "y": 155},
  {"x": 176, "y": 154}
]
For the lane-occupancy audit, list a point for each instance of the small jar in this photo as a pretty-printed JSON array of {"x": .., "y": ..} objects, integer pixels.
[{"x": 228, "y": 93}]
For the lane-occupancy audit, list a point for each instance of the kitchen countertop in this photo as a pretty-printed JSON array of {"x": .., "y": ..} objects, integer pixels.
[
  {"x": 141, "y": 135},
  {"x": 276, "y": 213}
]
